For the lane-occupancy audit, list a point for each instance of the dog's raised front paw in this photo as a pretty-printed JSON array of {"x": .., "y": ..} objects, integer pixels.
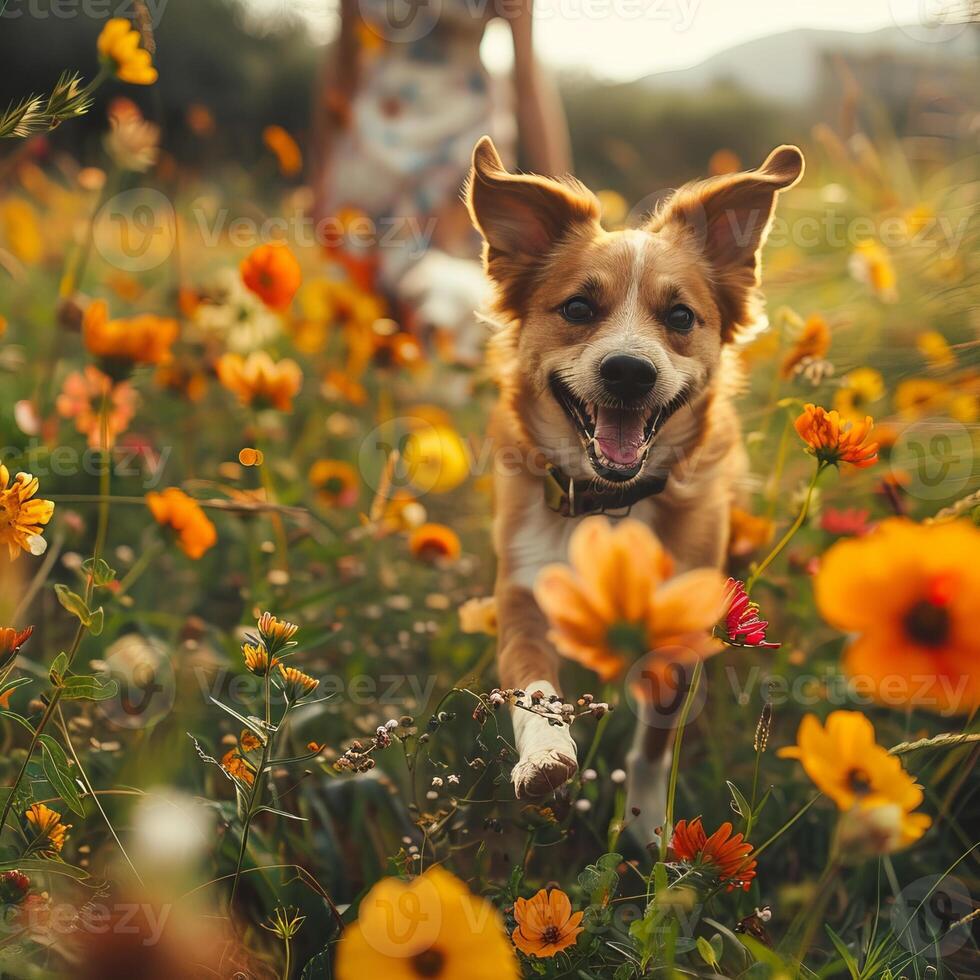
[{"x": 542, "y": 772}]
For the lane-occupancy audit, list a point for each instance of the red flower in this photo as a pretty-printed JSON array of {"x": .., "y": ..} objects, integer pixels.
[
  {"x": 727, "y": 855},
  {"x": 743, "y": 627},
  {"x": 847, "y": 522}
]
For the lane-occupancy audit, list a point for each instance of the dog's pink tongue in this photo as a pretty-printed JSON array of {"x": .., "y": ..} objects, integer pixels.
[{"x": 619, "y": 433}]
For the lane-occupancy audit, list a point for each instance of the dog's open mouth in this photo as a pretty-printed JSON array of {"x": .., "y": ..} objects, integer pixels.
[{"x": 616, "y": 439}]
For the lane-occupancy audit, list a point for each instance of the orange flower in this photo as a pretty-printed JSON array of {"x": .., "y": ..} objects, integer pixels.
[
  {"x": 11, "y": 640},
  {"x": 435, "y": 542},
  {"x": 276, "y": 633},
  {"x": 614, "y": 604},
  {"x": 143, "y": 339},
  {"x": 813, "y": 342},
  {"x": 747, "y": 532},
  {"x": 273, "y": 274},
  {"x": 908, "y": 594},
  {"x": 832, "y": 440},
  {"x": 545, "y": 923},
  {"x": 119, "y": 47},
  {"x": 257, "y": 379},
  {"x": 235, "y": 761},
  {"x": 81, "y": 399},
  {"x": 22, "y": 514},
  {"x": 727, "y": 855},
  {"x": 297, "y": 684},
  {"x": 285, "y": 148},
  {"x": 174, "y": 509},
  {"x": 47, "y": 825},
  {"x": 335, "y": 481}
]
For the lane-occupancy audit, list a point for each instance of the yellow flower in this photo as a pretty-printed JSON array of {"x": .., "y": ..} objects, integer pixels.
[
  {"x": 435, "y": 542},
  {"x": 296, "y": 684},
  {"x": 257, "y": 659},
  {"x": 431, "y": 928},
  {"x": 48, "y": 828},
  {"x": 21, "y": 231},
  {"x": 916, "y": 397},
  {"x": 336, "y": 482},
  {"x": 833, "y": 440},
  {"x": 174, "y": 509},
  {"x": 435, "y": 459},
  {"x": 119, "y": 46},
  {"x": 907, "y": 593},
  {"x": 21, "y": 514},
  {"x": 813, "y": 342},
  {"x": 257, "y": 379},
  {"x": 144, "y": 339},
  {"x": 933, "y": 347},
  {"x": 285, "y": 148},
  {"x": 860, "y": 388},
  {"x": 846, "y": 764},
  {"x": 872, "y": 265},
  {"x": 615, "y": 602},
  {"x": 546, "y": 924},
  {"x": 276, "y": 633}
]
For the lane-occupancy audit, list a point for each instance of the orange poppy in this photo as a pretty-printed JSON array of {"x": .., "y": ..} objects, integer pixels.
[
  {"x": 335, "y": 481},
  {"x": 143, "y": 339},
  {"x": 273, "y": 274},
  {"x": 726, "y": 854},
  {"x": 435, "y": 542},
  {"x": 545, "y": 923}
]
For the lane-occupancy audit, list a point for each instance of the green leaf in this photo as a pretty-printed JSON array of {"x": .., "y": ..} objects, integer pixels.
[
  {"x": 74, "y": 603},
  {"x": 11, "y": 685},
  {"x": 57, "y": 771},
  {"x": 279, "y": 813},
  {"x": 84, "y": 687},
  {"x": 252, "y": 723},
  {"x": 706, "y": 951},
  {"x": 58, "y": 669},
  {"x": 96, "y": 622},
  {"x": 102, "y": 575},
  {"x": 38, "y": 866},
  {"x": 845, "y": 954},
  {"x": 20, "y": 719},
  {"x": 739, "y": 803}
]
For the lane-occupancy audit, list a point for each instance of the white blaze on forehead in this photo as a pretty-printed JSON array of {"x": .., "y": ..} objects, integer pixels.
[{"x": 636, "y": 243}]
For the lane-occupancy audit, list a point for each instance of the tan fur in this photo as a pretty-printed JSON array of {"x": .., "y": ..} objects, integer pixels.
[{"x": 544, "y": 244}]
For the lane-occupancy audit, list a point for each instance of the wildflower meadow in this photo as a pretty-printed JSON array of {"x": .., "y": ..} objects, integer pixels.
[{"x": 250, "y": 715}]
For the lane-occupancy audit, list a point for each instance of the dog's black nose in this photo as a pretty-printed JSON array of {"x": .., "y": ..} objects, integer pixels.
[{"x": 627, "y": 377}]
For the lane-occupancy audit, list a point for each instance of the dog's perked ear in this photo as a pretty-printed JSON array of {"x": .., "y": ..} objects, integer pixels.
[
  {"x": 522, "y": 216},
  {"x": 729, "y": 218}
]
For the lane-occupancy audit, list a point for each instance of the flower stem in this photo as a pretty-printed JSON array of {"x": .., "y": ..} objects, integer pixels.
[{"x": 788, "y": 536}]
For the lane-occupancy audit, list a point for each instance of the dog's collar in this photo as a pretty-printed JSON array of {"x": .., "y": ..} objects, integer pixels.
[{"x": 575, "y": 498}]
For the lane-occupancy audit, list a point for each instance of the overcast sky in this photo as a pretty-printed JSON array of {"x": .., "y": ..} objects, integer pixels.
[{"x": 625, "y": 39}]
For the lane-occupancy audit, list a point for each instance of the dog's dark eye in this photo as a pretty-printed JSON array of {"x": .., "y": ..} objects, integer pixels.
[
  {"x": 578, "y": 309},
  {"x": 681, "y": 318}
]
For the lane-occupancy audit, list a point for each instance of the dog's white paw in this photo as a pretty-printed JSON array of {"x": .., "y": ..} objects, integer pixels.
[{"x": 542, "y": 772}]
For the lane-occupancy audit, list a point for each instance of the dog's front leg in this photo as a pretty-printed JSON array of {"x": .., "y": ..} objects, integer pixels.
[{"x": 528, "y": 662}]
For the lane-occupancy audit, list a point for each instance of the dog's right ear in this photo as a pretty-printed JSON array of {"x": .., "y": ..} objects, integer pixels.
[{"x": 522, "y": 216}]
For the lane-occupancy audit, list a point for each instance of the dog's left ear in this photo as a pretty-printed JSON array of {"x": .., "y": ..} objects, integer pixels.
[
  {"x": 729, "y": 218},
  {"x": 522, "y": 216}
]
